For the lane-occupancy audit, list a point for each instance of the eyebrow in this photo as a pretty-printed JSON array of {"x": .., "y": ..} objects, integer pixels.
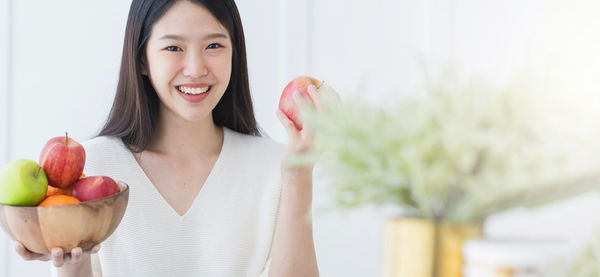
[{"x": 181, "y": 38}]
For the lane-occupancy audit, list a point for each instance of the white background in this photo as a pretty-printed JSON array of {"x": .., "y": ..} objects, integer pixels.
[{"x": 59, "y": 61}]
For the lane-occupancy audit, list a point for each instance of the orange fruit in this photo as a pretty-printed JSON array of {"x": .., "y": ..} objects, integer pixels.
[
  {"x": 58, "y": 191},
  {"x": 56, "y": 200},
  {"x": 61, "y": 191}
]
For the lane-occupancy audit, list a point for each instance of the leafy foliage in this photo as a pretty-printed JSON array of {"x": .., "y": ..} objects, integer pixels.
[{"x": 456, "y": 153}]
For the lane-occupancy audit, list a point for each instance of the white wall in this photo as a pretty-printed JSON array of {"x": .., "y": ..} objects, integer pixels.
[
  {"x": 65, "y": 64},
  {"x": 4, "y": 85},
  {"x": 58, "y": 73},
  {"x": 4, "y": 78}
]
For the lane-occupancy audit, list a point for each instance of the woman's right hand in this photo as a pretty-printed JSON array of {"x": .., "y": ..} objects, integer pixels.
[{"x": 58, "y": 257}]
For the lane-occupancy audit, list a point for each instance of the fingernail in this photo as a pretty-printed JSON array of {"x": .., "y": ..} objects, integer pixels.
[
  {"x": 18, "y": 247},
  {"x": 55, "y": 253},
  {"x": 76, "y": 254},
  {"x": 96, "y": 249}
]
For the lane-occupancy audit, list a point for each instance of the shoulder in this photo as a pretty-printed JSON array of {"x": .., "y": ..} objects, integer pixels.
[
  {"x": 102, "y": 152},
  {"x": 99, "y": 143},
  {"x": 103, "y": 146}
]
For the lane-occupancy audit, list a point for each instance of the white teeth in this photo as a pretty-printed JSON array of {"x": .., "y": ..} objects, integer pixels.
[{"x": 193, "y": 91}]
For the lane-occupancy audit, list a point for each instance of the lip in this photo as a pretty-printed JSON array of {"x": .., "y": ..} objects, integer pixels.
[
  {"x": 197, "y": 85},
  {"x": 194, "y": 98}
]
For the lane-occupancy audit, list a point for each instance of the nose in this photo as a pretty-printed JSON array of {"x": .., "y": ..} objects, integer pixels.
[{"x": 194, "y": 65}]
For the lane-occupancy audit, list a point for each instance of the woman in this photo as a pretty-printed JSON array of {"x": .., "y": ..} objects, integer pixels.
[{"x": 209, "y": 197}]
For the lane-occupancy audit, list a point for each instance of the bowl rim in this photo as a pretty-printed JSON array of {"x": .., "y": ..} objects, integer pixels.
[{"x": 125, "y": 188}]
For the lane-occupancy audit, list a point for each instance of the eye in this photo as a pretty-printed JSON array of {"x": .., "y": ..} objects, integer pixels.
[
  {"x": 173, "y": 49},
  {"x": 213, "y": 46}
]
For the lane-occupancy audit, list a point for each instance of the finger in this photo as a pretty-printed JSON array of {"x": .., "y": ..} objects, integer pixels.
[
  {"x": 314, "y": 97},
  {"x": 300, "y": 140},
  {"x": 21, "y": 251},
  {"x": 301, "y": 101},
  {"x": 57, "y": 257},
  {"x": 95, "y": 249},
  {"x": 288, "y": 125},
  {"x": 76, "y": 255},
  {"x": 28, "y": 255},
  {"x": 308, "y": 137}
]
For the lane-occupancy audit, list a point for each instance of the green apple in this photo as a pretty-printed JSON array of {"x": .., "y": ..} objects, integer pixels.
[{"x": 22, "y": 183}]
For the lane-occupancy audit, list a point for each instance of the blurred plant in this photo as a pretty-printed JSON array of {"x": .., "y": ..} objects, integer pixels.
[{"x": 455, "y": 153}]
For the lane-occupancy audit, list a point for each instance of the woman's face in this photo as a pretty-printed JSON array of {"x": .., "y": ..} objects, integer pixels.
[{"x": 188, "y": 60}]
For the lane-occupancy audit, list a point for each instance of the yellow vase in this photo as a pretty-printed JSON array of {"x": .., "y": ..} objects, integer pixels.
[{"x": 422, "y": 248}]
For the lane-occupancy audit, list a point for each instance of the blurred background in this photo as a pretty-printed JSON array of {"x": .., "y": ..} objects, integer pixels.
[{"x": 59, "y": 62}]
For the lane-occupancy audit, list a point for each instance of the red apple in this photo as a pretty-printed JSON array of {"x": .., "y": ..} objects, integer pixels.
[
  {"x": 62, "y": 159},
  {"x": 287, "y": 104},
  {"x": 94, "y": 187}
]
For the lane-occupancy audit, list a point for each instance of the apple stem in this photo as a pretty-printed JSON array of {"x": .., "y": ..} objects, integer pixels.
[
  {"x": 321, "y": 84},
  {"x": 67, "y": 138},
  {"x": 37, "y": 172}
]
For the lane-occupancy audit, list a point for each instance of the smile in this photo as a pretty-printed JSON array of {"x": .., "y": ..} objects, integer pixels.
[{"x": 193, "y": 91}]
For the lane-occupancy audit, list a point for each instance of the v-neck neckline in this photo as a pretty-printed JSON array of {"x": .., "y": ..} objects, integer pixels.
[{"x": 209, "y": 179}]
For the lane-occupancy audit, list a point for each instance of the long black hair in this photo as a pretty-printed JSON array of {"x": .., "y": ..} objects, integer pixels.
[{"x": 135, "y": 111}]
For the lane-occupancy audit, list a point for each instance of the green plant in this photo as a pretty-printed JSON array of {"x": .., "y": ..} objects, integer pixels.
[{"x": 456, "y": 153}]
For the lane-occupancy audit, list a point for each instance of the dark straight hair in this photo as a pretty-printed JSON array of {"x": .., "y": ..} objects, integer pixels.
[{"x": 135, "y": 111}]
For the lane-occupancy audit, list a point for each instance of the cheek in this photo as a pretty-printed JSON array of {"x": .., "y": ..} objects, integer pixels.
[
  {"x": 163, "y": 74},
  {"x": 222, "y": 68}
]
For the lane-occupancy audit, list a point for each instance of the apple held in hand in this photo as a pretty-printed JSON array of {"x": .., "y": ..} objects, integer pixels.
[
  {"x": 288, "y": 105},
  {"x": 22, "y": 183},
  {"x": 63, "y": 160},
  {"x": 94, "y": 187}
]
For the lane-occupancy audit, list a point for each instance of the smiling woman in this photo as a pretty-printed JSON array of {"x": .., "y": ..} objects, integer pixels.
[
  {"x": 73, "y": 31},
  {"x": 209, "y": 195}
]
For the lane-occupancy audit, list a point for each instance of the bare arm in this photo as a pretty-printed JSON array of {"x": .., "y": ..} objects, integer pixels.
[
  {"x": 293, "y": 247},
  {"x": 293, "y": 251}
]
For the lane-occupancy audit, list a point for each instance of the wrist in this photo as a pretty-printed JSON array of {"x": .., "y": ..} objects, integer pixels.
[
  {"x": 296, "y": 191},
  {"x": 297, "y": 177},
  {"x": 296, "y": 199}
]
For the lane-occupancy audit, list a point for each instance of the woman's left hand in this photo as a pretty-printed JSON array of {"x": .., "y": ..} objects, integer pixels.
[{"x": 300, "y": 141}]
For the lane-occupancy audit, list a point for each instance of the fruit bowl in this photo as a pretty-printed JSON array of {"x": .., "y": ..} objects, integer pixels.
[{"x": 83, "y": 224}]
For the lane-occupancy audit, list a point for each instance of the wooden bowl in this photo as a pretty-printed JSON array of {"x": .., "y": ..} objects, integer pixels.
[{"x": 83, "y": 224}]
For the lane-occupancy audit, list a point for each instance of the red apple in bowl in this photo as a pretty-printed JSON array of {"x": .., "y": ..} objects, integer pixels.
[
  {"x": 83, "y": 224},
  {"x": 62, "y": 159},
  {"x": 94, "y": 187}
]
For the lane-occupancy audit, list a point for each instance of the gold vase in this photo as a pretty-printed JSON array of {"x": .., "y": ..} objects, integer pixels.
[{"x": 417, "y": 247}]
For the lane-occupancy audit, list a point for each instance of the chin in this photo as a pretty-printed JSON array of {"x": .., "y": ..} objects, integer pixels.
[{"x": 197, "y": 117}]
